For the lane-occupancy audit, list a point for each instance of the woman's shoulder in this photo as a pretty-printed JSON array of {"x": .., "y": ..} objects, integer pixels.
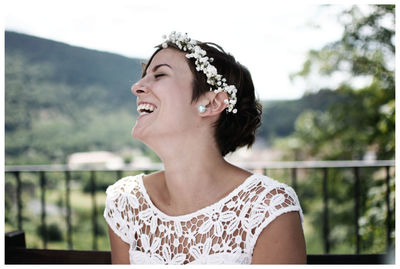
[
  {"x": 268, "y": 193},
  {"x": 273, "y": 196},
  {"x": 135, "y": 184},
  {"x": 125, "y": 185},
  {"x": 122, "y": 197},
  {"x": 257, "y": 181}
]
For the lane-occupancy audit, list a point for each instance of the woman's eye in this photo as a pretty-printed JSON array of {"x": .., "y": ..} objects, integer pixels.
[{"x": 159, "y": 75}]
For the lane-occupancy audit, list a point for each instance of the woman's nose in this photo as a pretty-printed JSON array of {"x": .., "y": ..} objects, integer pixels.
[{"x": 139, "y": 88}]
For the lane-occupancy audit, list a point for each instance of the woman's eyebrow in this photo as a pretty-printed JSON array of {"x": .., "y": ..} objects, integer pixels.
[
  {"x": 159, "y": 65},
  {"x": 155, "y": 68}
]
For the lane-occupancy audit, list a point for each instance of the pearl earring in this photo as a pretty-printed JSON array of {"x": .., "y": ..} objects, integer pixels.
[{"x": 202, "y": 109}]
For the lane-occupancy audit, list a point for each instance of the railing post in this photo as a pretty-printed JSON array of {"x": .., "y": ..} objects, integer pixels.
[
  {"x": 94, "y": 208},
  {"x": 389, "y": 213},
  {"x": 265, "y": 170},
  {"x": 43, "y": 208},
  {"x": 326, "y": 211},
  {"x": 68, "y": 208},
  {"x": 294, "y": 178},
  {"x": 19, "y": 201},
  {"x": 357, "y": 206}
]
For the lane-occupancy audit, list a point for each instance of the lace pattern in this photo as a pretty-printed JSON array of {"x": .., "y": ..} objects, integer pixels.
[{"x": 224, "y": 232}]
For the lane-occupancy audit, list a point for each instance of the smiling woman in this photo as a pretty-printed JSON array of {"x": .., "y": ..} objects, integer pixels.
[{"x": 197, "y": 104}]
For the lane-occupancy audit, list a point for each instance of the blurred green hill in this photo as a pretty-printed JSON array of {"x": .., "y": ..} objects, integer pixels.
[
  {"x": 61, "y": 99},
  {"x": 279, "y": 117},
  {"x": 77, "y": 67}
]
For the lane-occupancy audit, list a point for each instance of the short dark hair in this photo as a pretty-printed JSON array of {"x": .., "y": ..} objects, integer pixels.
[{"x": 231, "y": 130}]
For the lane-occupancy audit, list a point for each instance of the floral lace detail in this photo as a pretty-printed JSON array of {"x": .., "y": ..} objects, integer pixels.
[{"x": 224, "y": 232}]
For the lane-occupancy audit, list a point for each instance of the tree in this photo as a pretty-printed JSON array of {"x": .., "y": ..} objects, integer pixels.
[
  {"x": 361, "y": 122},
  {"x": 364, "y": 118}
]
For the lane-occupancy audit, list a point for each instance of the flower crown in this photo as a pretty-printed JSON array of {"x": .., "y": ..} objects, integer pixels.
[{"x": 203, "y": 63}]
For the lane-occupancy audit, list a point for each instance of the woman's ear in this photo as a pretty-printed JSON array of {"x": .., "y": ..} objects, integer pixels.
[{"x": 214, "y": 102}]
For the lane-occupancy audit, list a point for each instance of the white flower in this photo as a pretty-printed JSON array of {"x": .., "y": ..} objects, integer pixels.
[
  {"x": 150, "y": 218},
  {"x": 250, "y": 184},
  {"x": 257, "y": 215},
  {"x": 170, "y": 258},
  {"x": 215, "y": 219},
  {"x": 202, "y": 63},
  {"x": 121, "y": 186},
  {"x": 190, "y": 236},
  {"x": 234, "y": 224},
  {"x": 136, "y": 226},
  {"x": 200, "y": 256},
  {"x": 153, "y": 247},
  {"x": 149, "y": 255},
  {"x": 277, "y": 200},
  {"x": 282, "y": 198},
  {"x": 127, "y": 202}
]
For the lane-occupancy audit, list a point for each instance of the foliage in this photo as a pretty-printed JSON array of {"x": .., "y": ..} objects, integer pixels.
[
  {"x": 374, "y": 216},
  {"x": 363, "y": 118},
  {"x": 53, "y": 232},
  {"x": 360, "y": 121}
]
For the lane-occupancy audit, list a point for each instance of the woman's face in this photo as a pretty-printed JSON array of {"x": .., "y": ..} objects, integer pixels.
[{"x": 164, "y": 97}]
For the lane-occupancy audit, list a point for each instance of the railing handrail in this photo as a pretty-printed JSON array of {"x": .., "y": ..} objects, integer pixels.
[{"x": 247, "y": 165}]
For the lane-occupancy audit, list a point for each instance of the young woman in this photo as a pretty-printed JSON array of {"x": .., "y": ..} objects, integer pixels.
[{"x": 196, "y": 104}]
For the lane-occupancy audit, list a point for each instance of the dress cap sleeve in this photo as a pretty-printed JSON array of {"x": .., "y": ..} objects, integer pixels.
[{"x": 118, "y": 207}]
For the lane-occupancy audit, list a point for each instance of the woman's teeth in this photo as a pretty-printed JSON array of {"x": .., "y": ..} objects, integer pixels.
[{"x": 145, "y": 109}]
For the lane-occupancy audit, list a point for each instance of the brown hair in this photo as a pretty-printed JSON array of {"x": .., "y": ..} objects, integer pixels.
[{"x": 231, "y": 130}]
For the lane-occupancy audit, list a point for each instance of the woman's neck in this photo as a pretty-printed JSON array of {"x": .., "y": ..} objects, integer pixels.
[{"x": 195, "y": 172}]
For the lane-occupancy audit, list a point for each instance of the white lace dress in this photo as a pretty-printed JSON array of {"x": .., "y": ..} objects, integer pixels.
[{"x": 224, "y": 232}]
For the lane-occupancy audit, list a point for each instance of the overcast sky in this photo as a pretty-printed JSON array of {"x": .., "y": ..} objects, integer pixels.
[{"x": 271, "y": 40}]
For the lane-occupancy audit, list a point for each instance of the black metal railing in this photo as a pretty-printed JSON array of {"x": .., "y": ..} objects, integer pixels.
[{"x": 265, "y": 168}]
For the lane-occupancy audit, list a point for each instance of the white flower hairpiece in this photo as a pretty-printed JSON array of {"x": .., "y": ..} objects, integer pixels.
[{"x": 203, "y": 63}]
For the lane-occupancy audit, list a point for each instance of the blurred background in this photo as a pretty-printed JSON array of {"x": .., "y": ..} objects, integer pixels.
[{"x": 324, "y": 74}]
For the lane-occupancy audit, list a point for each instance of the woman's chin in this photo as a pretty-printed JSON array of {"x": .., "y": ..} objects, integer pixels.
[
  {"x": 136, "y": 132},
  {"x": 139, "y": 133}
]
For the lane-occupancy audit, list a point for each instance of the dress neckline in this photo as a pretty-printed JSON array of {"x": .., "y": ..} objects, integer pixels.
[{"x": 197, "y": 212}]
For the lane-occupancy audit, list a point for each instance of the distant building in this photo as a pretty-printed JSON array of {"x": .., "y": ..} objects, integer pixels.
[
  {"x": 244, "y": 155},
  {"x": 101, "y": 159}
]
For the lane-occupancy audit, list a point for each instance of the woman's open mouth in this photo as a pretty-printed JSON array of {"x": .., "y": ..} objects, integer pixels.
[{"x": 146, "y": 108}]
